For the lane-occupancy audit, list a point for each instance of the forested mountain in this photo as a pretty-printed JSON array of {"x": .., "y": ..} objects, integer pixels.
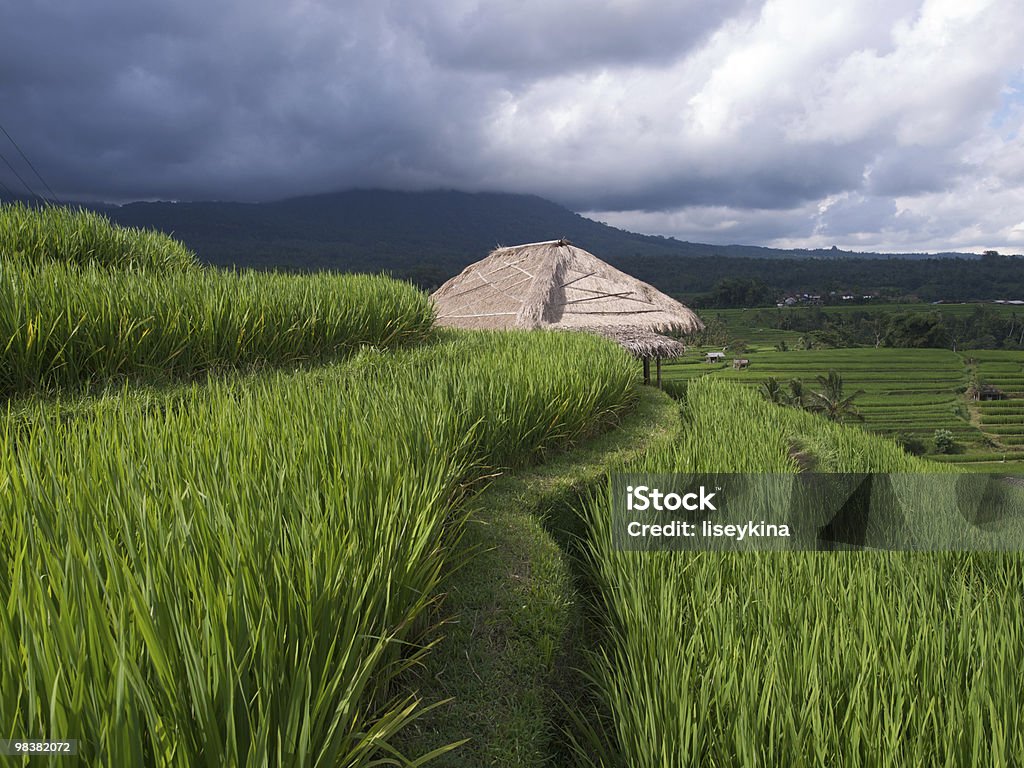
[
  {"x": 427, "y": 237},
  {"x": 361, "y": 229}
]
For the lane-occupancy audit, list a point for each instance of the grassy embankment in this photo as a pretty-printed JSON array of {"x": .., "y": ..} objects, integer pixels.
[
  {"x": 65, "y": 236},
  {"x": 512, "y": 625},
  {"x": 213, "y": 555},
  {"x": 1001, "y": 421},
  {"x": 908, "y": 392},
  {"x": 83, "y": 302},
  {"x": 709, "y": 658},
  {"x": 241, "y": 568},
  {"x": 874, "y": 658},
  {"x": 238, "y": 569},
  {"x": 911, "y": 391}
]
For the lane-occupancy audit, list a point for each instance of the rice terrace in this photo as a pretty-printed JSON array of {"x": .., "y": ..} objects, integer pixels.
[
  {"x": 906, "y": 392},
  {"x": 259, "y": 518}
]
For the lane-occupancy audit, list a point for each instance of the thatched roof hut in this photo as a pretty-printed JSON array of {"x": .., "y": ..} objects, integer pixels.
[
  {"x": 556, "y": 285},
  {"x": 643, "y": 345}
]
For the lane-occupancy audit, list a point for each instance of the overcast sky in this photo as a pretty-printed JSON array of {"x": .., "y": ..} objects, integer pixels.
[{"x": 868, "y": 124}]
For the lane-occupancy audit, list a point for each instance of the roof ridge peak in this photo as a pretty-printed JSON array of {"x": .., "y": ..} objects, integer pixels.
[{"x": 559, "y": 241}]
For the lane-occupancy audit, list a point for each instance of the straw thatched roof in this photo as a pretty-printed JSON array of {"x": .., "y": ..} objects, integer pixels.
[
  {"x": 641, "y": 343},
  {"x": 557, "y": 285}
]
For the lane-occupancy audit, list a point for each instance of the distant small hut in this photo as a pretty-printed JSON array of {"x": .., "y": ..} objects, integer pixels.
[
  {"x": 985, "y": 392},
  {"x": 740, "y": 363},
  {"x": 714, "y": 357},
  {"x": 555, "y": 285}
]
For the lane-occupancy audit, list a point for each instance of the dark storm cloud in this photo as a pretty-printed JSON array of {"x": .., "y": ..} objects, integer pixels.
[
  {"x": 717, "y": 224},
  {"x": 763, "y": 175},
  {"x": 744, "y": 108},
  {"x": 857, "y": 214},
  {"x": 535, "y": 37},
  {"x": 241, "y": 100},
  {"x": 911, "y": 170}
]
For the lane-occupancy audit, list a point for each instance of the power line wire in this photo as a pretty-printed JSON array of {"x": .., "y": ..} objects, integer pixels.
[
  {"x": 25, "y": 158},
  {"x": 18, "y": 175},
  {"x": 8, "y": 190}
]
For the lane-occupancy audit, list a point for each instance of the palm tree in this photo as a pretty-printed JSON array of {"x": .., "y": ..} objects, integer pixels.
[
  {"x": 797, "y": 393},
  {"x": 772, "y": 391},
  {"x": 831, "y": 400}
]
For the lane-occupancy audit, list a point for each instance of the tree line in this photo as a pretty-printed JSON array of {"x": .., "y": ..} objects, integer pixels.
[{"x": 982, "y": 328}]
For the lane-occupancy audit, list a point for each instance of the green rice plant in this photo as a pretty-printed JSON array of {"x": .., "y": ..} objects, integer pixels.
[
  {"x": 989, "y": 413},
  {"x": 1006, "y": 465},
  {"x": 975, "y": 456},
  {"x": 1001, "y": 406},
  {"x": 237, "y": 574},
  {"x": 61, "y": 234},
  {"x": 798, "y": 658},
  {"x": 1000, "y": 419},
  {"x": 65, "y": 325},
  {"x": 904, "y": 389}
]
